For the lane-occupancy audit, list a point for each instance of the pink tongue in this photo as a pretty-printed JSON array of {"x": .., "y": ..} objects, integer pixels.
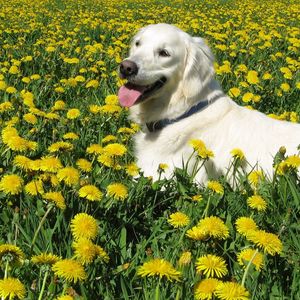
[{"x": 129, "y": 94}]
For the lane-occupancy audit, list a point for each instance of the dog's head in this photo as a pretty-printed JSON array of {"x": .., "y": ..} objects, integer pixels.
[{"x": 164, "y": 60}]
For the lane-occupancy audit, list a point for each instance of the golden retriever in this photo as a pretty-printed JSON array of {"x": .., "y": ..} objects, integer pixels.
[{"x": 173, "y": 95}]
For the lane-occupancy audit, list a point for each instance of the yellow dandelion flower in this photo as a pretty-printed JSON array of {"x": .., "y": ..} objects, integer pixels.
[
  {"x": 69, "y": 175},
  {"x": 269, "y": 242},
  {"x": 237, "y": 153},
  {"x": 111, "y": 109},
  {"x": 45, "y": 259},
  {"x": 73, "y": 113},
  {"x": 71, "y": 136},
  {"x": 294, "y": 117},
  {"x": 11, "y": 90},
  {"x": 285, "y": 87},
  {"x": 126, "y": 130},
  {"x": 196, "y": 233},
  {"x": 28, "y": 99},
  {"x": 80, "y": 78},
  {"x": 163, "y": 166},
  {"x": 112, "y": 99},
  {"x": 205, "y": 289},
  {"x": 30, "y": 118},
  {"x": 69, "y": 270},
  {"x": 231, "y": 291},
  {"x": 84, "y": 226},
  {"x": 52, "y": 116},
  {"x": 34, "y": 110},
  {"x": 292, "y": 161},
  {"x": 159, "y": 267},
  {"x": 35, "y": 165},
  {"x": 197, "y": 198},
  {"x": 109, "y": 138},
  {"x": 50, "y": 49},
  {"x": 60, "y": 146},
  {"x": 35, "y": 77},
  {"x": 92, "y": 84},
  {"x": 72, "y": 60},
  {"x": 3, "y": 85},
  {"x": 7, "y": 133},
  {"x": 267, "y": 76},
  {"x": 255, "y": 177},
  {"x": 34, "y": 187},
  {"x": 215, "y": 186},
  {"x": 65, "y": 297},
  {"x": 200, "y": 147},
  {"x": 211, "y": 265},
  {"x": 247, "y": 255},
  {"x": 234, "y": 92},
  {"x": 14, "y": 251},
  {"x": 178, "y": 219},
  {"x": 22, "y": 162},
  {"x": 257, "y": 202},
  {"x": 107, "y": 160},
  {"x": 213, "y": 227},
  {"x": 245, "y": 225},
  {"x": 59, "y": 89},
  {"x": 5, "y": 106},
  {"x": 117, "y": 190},
  {"x": 252, "y": 77},
  {"x": 31, "y": 145},
  {"x": 56, "y": 198},
  {"x": 90, "y": 192},
  {"x": 94, "y": 109},
  {"x": 185, "y": 258},
  {"x": 50, "y": 164},
  {"x": 242, "y": 68},
  {"x": 59, "y": 105},
  {"x": 94, "y": 149},
  {"x": 247, "y": 97},
  {"x": 115, "y": 149},
  {"x": 132, "y": 169},
  {"x": 53, "y": 180},
  {"x": 11, "y": 184},
  {"x": 84, "y": 250},
  {"x": 84, "y": 165},
  {"x": 11, "y": 138},
  {"x": 11, "y": 288},
  {"x": 100, "y": 252},
  {"x": 136, "y": 127}
]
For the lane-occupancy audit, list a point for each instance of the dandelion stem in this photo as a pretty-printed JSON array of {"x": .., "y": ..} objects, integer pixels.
[
  {"x": 157, "y": 294},
  {"x": 206, "y": 208},
  {"x": 178, "y": 294},
  {"x": 43, "y": 286},
  {"x": 248, "y": 267},
  {"x": 6, "y": 269},
  {"x": 64, "y": 289},
  {"x": 40, "y": 226}
]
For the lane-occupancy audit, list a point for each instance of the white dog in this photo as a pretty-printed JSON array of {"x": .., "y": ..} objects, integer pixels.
[{"x": 172, "y": 94}]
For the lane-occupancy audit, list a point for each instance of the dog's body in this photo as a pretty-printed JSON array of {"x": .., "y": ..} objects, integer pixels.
[{"x": 169, "y": 73}]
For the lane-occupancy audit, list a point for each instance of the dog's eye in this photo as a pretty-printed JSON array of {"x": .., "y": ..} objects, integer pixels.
[
  {"x": 137, "y": 43},
  {"x": 163, "y": 52}
]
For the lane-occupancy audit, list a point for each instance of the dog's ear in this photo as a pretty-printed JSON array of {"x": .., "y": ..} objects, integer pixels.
[{"x": 199, "y": 69}]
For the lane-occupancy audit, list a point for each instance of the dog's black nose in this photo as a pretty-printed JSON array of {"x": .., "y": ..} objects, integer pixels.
[{"x": 128, "y": 68}]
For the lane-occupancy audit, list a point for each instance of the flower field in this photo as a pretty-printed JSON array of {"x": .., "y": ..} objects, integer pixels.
[{"x": 76, "y": 222}]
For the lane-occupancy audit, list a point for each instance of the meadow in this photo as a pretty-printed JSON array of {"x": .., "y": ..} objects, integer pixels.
[{"x": 75, "y": 220}]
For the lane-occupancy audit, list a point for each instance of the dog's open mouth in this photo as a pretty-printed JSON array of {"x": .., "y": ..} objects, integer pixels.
[{"x": 130, "y": 94}]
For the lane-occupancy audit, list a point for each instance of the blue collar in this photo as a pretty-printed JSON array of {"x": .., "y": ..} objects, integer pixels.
[{"x": 160, "y": 124}]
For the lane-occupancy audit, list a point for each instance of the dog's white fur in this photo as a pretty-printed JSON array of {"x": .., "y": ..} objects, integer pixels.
[{"x": 223, "y": 125}]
